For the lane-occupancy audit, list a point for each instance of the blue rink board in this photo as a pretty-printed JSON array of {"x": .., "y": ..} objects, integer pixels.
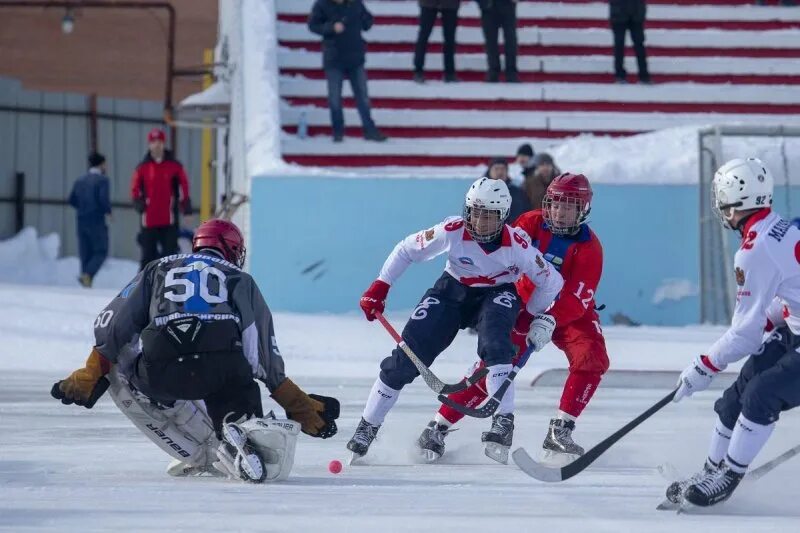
[{"x": 318, "y": 242}]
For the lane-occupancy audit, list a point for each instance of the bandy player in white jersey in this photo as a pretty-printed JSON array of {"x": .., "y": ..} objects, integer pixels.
[
  {"x": 767, "y": 270},
  {"x": 484, "y": 259}
]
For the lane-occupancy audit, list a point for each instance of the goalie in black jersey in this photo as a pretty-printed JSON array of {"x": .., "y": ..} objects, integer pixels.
[{"x": 180, "y": 347}]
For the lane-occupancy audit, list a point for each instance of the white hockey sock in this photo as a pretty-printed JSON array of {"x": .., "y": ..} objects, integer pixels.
[
  {"x": 720, "y": 440},
  {"x": 442, "y": 421},
  {"x": 747, "y": 440},
  {"x": 381, "y": 400},
  {"x": 565, "y": 416},
  {"x": 496, "y": 376}
]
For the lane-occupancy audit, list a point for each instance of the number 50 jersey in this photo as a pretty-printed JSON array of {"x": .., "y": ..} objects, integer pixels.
[{"x": 190, "y": 304}]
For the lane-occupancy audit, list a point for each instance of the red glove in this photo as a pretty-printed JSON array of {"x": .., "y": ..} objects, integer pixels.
[
  {"x": 520, "y": 332},
  {"x": 374, "y": 299}
]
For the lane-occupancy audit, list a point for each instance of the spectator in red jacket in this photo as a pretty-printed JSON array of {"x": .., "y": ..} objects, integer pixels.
[{"x": 159, "y": 190}]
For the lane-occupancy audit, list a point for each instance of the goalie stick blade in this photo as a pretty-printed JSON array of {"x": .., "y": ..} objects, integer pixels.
[{"x": 536, "y": 470}]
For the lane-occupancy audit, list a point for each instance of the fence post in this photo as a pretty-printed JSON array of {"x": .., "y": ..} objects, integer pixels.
[{"x": 19, "y": 201}]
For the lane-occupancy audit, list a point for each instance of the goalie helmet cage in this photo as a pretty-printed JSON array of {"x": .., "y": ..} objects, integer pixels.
[{"x": 717, "y": 244}]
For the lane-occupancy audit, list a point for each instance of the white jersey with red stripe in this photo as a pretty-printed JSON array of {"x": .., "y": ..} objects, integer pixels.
[
  {"x": 767, "y": 270},
  {"x": 470, "y": 264}
]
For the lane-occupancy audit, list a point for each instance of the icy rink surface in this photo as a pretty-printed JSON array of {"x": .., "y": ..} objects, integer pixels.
[{"x": 64, "y": 468}]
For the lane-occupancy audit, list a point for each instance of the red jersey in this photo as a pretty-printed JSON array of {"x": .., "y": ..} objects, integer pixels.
[
  {"x": 155, "y": 183},
  {"x": 579, "y": 259}
]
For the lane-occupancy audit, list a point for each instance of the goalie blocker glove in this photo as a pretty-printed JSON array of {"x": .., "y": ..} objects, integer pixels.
[
  {"x": 317, "y": 414},
  {"x": 86, "y": 385}
]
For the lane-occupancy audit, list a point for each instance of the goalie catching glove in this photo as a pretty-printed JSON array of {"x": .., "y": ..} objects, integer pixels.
[
  {"x": 317, "y": 414},
  {"x": 86, "y": 385}
]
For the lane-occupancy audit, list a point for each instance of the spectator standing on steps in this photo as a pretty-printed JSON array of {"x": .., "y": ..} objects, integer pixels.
[
  {"x": 496, "y": 14},
  {"x": 428, "y": 11},
  {"x": 159, "y": 190},
  {"x": 629, "y": 16},
  {"x": 340, "y": 23},
  {"x": 91, "y": 199}
]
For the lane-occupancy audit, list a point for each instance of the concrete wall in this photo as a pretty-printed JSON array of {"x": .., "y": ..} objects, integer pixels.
[{"x": 318, "y": 242}]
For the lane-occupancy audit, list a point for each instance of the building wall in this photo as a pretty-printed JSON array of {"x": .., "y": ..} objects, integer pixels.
[{"x": 116, "y": 52}]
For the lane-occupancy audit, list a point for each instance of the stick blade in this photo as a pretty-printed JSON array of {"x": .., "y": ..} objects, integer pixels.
[{"x": 536, "y": 470}]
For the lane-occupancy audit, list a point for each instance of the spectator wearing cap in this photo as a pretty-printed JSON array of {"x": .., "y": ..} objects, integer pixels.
[
  {"x": 91, "y": 199},
  {"x": 538, "y": 176},
  {"x": 522, "y": 161},
  {"x": 160, "y": 191},
  {"x": 498, "y": 170}
]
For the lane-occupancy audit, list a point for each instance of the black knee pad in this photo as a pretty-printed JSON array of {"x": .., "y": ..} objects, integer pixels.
[{"x": 397, "y": 370}]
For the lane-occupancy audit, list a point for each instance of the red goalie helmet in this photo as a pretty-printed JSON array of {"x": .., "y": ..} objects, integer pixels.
[
  {"x": 567, "y": 203},
  {"x": 223, "y": 236}
]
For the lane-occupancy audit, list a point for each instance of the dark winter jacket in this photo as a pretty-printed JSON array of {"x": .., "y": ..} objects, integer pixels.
[
  {"x": 439, "y": 4},
  {"x": 344, "y": 50},
  {"x": 90, "y": 197},
  {"x": 158, "y": 189},
  {"x": 519, "y": 202},
  {"x": 624, "y": 10}
]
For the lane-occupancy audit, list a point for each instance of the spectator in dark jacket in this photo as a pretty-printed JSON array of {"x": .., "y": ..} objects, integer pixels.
[
  {"x": 340, "y": 23},
  {"x": 538, "y": 176},
  {"x": 159, "y": 190},
  {"x": 498, "y": 170},
  {"x": 428, "y": 10},
  {"x": 628, "y": 16},
  {"x": 90, "y": 198},
  {"x": 496, "y": 14}
]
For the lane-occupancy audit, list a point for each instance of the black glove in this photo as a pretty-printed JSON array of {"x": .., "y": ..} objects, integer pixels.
[{"x": 139, "y": 205}]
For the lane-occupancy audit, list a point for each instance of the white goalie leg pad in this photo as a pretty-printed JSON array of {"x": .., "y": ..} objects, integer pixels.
[
  {"x": 184, "y": 431},
  {"x": 275, "y": 442}
]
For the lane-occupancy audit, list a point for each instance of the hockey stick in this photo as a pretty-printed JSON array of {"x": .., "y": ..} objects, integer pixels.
[
  {"x": 488, "y": 408},
  {"x": 436, "y": 384},
  {"x": 543, "y": 472}
]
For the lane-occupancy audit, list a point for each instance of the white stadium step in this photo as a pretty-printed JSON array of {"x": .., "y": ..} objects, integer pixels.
[
  {"x": 570, "y": 10},
  {"x": 668, "y": 92},
  {"x": 402, "y": 61},
  {"x": 721, "y": 39},
  {"x": 550, "y": 120}
]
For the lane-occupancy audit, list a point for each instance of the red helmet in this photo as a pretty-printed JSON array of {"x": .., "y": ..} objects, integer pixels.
[
  {"x": 223, "y": 236},
  {"x": 567, "y": 203}
]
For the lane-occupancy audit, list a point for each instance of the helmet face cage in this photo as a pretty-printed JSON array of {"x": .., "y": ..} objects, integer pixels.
[
  {"x": 234, "y": 254},
  {"x": 492, "y": 226},
  {"x": 566, "y": 203}
]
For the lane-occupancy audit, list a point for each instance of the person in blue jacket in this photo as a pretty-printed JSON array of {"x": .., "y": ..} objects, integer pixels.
[{"x": 91, "y": 200}]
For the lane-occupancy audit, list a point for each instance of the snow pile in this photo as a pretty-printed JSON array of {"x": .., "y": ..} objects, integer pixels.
[
  {"x": 675, "y": 290},
  {"x": 29, "y": 259}
]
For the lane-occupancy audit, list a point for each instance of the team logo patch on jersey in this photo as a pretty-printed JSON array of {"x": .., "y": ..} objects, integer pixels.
[
  {"x": 429, "y": 234},
  {"x": 466, "y": 261},
  {"x": 539, "y": 261},
  {"x": 553, "y": 259},
  {"x": 739, "y": 276}
]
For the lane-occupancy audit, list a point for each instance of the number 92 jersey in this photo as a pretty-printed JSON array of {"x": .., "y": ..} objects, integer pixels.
[{"x": 199, "y": 285}]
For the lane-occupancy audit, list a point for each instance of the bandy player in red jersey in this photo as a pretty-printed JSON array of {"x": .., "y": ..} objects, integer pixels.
[{"x": 560, "y": 232}]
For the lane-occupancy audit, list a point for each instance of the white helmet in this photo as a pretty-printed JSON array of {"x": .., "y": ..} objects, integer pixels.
[
  {"x": 740, "y": 184},
  {"x": 486, "y": 208}
]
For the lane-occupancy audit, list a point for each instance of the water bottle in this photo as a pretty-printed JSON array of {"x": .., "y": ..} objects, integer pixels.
[{"x": 302, "y": 125}]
